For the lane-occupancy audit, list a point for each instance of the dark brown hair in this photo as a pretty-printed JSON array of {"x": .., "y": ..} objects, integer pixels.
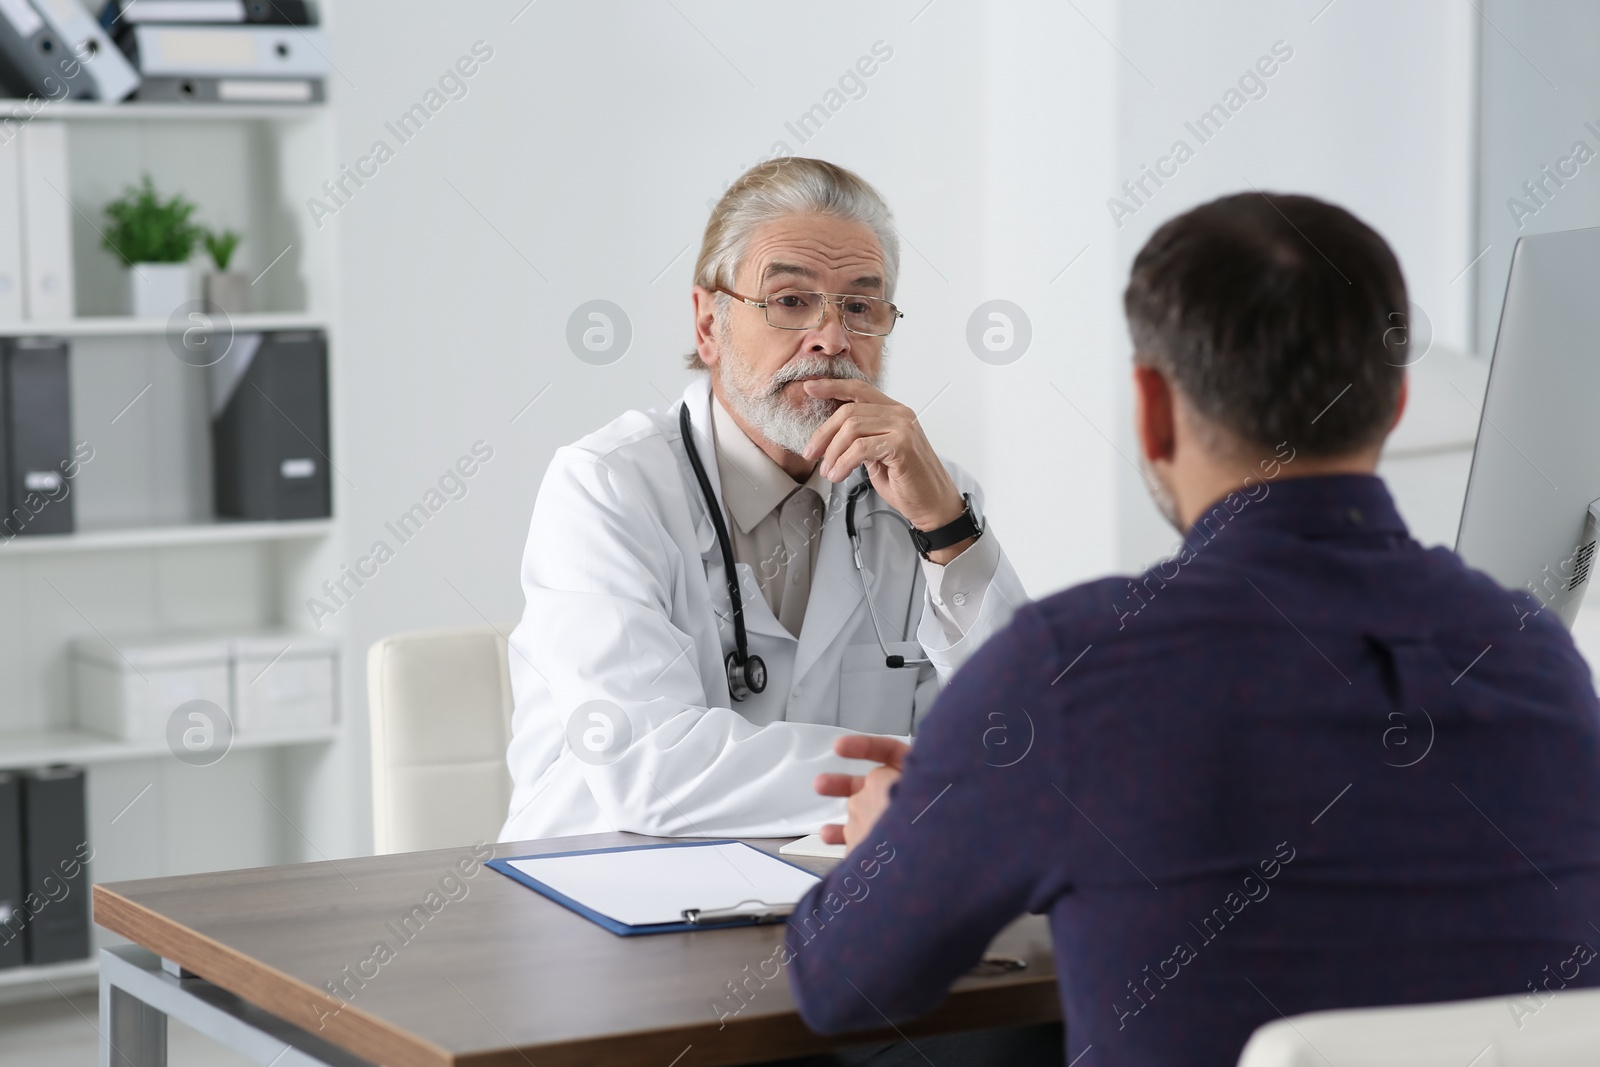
[{"x": 1280, "y": 318}]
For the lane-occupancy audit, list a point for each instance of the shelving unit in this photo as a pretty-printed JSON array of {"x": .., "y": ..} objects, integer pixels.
[
  {"x": 78, "y": 747},
  {"x": 16, "y": 976},
  {"x": 218, "y": 532},
  {"x": 133, "y": 111},
  {"x": 22, "y": 983},
  {"x": 149, "y": 556},
  {"x": 128, "y": 326}
]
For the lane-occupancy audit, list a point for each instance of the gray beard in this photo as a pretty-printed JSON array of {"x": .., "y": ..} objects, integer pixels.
[{"x": 762, "y": 405}]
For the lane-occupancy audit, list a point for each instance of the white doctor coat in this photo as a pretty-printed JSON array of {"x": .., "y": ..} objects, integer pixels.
[{"x": 626, "y": 603}]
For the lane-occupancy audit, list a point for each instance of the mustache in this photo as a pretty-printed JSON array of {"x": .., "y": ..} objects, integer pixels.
[{"x": 814, "y": 367}]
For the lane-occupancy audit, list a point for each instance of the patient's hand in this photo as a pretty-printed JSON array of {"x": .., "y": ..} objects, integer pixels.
[{"x": 869, "y": 793}]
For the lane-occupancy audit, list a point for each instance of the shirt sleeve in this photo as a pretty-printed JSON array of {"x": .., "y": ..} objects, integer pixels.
[
  {"x": 968, "y": 600},
  {"x": 951, "y": 862},
  {"x": 956, "y": 589},
  {"x": 991, "y": 603}
]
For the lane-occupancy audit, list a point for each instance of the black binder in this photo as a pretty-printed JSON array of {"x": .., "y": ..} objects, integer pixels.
[
  {"x": 269, "y": 427},
  {"x": 8, "y": 524},
  {"x": 38, "y": 431},
  {"x": 55, "y": 847},
  {"x": 35, "y": 60},
  {"x": 12, "y": 917},
  {"x": 231, "y": 90}
]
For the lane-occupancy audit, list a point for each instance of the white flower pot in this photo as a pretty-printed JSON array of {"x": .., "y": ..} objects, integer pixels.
[{"x": 156, "y": 289}]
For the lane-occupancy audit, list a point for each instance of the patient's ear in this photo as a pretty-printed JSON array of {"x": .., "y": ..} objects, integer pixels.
[
  {"x": 1400, "y": 404},
  {"x": 705, "y": 328},
  {"x": 1154, "y": 414}
]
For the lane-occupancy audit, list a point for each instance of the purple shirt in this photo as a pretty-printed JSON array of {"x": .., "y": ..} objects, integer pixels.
[{"x": 1304, "y": 764}]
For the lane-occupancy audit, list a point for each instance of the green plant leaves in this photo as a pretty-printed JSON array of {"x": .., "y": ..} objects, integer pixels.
[
  {"x": 144, "y": 228},
  {"x": 221, "y": 246}
]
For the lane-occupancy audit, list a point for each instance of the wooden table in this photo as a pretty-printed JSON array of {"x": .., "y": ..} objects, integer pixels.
[{"x": 483, "y": 972}]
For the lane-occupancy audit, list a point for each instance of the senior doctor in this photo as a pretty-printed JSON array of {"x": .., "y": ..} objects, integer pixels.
[{"x": 652, "y": 697}]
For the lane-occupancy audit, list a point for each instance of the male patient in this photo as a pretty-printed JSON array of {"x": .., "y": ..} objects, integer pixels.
[{"x": 1305, "y": 763}]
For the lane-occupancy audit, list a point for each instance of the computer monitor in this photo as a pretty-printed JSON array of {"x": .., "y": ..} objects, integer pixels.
[{"x": 1530, "y": 517}]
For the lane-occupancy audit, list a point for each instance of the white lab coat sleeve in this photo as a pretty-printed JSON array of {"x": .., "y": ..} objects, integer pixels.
[
  {"x": 940, "y": 630},
  {"x": 600, "y": 576}
]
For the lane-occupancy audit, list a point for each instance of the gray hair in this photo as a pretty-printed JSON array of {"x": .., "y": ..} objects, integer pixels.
[{"x": 778, "y": 188}]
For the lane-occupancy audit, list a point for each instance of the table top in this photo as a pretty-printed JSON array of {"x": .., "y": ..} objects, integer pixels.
[{"x": 407, "y": 961}]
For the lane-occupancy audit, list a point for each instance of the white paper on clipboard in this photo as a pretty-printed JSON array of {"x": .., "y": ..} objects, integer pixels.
[{"x": 646, "y": 886}]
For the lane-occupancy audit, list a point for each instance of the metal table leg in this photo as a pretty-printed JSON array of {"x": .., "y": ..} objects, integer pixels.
[
  {"x": 132, "y": 1033},
  {"x": 137, "y": 996}
]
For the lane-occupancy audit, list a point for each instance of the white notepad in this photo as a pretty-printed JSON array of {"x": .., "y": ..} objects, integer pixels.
[
  {"x": 813, "y": 846},
  {"x": 647, "y": 886}
]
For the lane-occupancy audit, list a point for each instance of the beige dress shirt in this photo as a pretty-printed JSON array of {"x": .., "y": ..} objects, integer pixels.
[{"x": 777, "y": 525}]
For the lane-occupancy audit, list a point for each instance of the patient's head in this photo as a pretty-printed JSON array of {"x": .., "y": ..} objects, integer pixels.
[{"x": 1263, "y": 326}]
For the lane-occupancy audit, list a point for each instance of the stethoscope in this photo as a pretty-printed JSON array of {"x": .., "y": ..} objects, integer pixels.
[{"x": 747, "y": 673}]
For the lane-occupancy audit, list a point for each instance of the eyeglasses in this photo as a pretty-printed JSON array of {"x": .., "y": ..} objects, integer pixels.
[{"x": 794, "y": 309}]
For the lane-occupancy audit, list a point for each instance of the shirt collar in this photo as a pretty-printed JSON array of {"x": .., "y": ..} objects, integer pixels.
[
  {"x": 1313, "y": 506},
  {"x": 753, "y": 486}
]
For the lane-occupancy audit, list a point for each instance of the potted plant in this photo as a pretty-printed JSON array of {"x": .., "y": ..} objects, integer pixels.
[
  {"x": 154, "y": 238},
  {"x": 227, "y": 291}
]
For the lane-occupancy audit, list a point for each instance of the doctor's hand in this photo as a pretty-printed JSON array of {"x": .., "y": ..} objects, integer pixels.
[
  {"x": 869, "y": 793},
  {"x": 871, "y": 428}
]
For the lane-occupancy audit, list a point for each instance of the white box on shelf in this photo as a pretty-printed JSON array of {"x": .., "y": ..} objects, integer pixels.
[
  {"x": 283, "y": 683},
  {"x": 130, "y": 687}
]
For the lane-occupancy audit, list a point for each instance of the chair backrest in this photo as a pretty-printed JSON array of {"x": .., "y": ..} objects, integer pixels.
[
  {"x": 1548, "y": 1030},
  {"x": 440, "y": 704}
]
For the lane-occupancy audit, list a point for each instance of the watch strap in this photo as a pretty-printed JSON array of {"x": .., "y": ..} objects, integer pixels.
[{"x": 962, "y": 527}]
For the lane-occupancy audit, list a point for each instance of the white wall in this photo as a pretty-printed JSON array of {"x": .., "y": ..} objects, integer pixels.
[
  {"x": 1540, "y": 98},
  {"x": 580, "y": 166},
  {"x": 1049, "y": 146},
  {"x": 1374, "y": 111}
]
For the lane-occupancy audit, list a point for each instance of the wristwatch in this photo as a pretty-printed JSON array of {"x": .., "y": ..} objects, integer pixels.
[{"x": 964, "y": 526}]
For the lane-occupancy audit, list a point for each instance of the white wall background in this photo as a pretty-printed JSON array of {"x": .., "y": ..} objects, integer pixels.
[
  {"x": 1540, "y": 96},
  {"x": 1374, "y": 111},
  {"x": 581, "y": 162},
  {"x": 580, "y": 166}
]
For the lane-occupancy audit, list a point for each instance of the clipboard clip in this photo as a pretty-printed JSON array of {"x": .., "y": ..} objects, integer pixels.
[{"x": 746, "y": 911}]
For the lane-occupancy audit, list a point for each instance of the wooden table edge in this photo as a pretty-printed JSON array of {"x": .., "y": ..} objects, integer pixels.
[
  {"x": 763, "y": 1038},
  {"x": 1010, "y": 1003},
  {"x": 343, "y": 1024}
]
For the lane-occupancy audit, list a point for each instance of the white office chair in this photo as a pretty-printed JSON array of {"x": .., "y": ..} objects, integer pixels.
[
  {"x": 440, "y": 705},
  {"x": 1493, "y": 1032}
]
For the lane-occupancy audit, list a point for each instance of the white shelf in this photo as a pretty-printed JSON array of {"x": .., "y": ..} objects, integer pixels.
[
  {"x": 31, "y": 973},
  {"x": 128, "y": 326},
  {"x": 199, "y": 533},
  {"x": 46, "y": 747},
  {"x": 133, "y": 111}
]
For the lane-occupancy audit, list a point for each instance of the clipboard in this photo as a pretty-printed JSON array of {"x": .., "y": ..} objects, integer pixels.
[{"x": 665, "y": 888}]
